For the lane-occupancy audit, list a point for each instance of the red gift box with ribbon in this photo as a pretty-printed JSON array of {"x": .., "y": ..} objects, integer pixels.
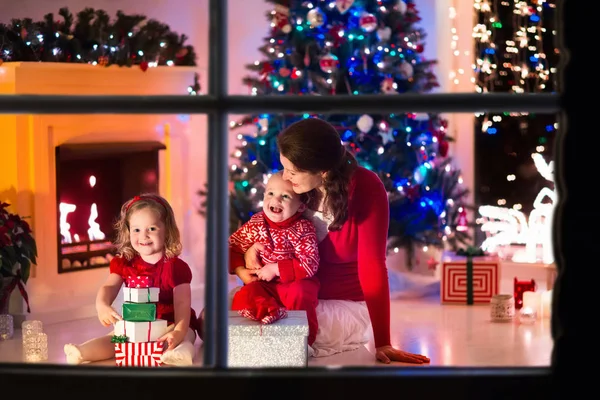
[
  {"x": 139, "y": 282},
  {"x": 139, "y": 354}
]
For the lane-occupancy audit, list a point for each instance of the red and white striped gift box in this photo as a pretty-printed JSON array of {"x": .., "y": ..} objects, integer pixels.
[
  {"x": 138, "y": 354},
  {"x": 485, "y": 283}
]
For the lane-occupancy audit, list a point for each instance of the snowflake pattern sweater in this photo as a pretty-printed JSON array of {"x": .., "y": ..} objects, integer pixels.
[{"x": 292, "y": 244}]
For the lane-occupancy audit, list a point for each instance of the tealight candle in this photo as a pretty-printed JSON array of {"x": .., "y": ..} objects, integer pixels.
[
  {"x": 546, "y": 306},
  {"x": 527, "y": 315},
  {"x": 533, "y": 300},
  {"x": 35, "y": 347}
]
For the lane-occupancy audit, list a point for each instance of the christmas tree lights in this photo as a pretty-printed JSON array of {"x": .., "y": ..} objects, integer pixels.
[{"x": 356, "y": 47}]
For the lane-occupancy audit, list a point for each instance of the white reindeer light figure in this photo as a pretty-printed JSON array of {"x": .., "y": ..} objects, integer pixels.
[{"x": 504, "y": 226}]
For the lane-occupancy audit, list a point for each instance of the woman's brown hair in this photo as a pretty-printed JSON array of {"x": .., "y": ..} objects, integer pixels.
[
  {"x": 313, "y": 145},
  {"x": 157, "y": 204}
]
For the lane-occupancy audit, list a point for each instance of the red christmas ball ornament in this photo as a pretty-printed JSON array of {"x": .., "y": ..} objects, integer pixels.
[
  {"x": 328, "y": 63},
  {"x": 265, "y": 71},
  {"x": 182, "y": 53},
  {"x": 144, "y": 65},
  {"x": 412, "y": 192},
  {"x": 281, "y": 18},
  {"x": 419, "y": 48},
  {"x": 367, "y": 22},
  {"x": 295, "y": 73},
  {"x": 284, "y": 72},
  {"x": 443, "y": 146}
]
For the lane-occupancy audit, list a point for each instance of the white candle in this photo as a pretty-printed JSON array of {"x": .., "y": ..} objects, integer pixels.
[
  {"x": 533, "y": 300},
  {"x": 546, "y": 305}
]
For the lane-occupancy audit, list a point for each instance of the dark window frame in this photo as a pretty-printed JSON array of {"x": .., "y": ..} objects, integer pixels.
[{"x": 423, "y": 382}]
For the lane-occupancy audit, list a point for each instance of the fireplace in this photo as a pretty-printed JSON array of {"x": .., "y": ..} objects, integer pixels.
[{"x": 92, "y": 182}]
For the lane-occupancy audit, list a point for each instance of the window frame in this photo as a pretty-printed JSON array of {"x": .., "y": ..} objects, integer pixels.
[{"x": 217, "y": 105}]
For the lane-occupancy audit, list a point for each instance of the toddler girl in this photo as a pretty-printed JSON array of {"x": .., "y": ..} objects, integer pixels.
[{"x": 148, "y": 244}]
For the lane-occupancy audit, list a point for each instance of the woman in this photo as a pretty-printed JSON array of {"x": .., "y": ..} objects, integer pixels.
[{"x": 351, "y": 206}]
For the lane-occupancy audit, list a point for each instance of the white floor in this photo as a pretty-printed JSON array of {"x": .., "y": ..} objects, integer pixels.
[{"x": 449, "y": 335}]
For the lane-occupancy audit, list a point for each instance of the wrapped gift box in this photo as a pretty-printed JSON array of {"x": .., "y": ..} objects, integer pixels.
[
  {"x": 484, "y": 280},
  {"x": 141, "y": 332},
  {"x": 139, "y": 311},
  {"x": 141, "y": 295},
  {"x": 280, "y": 344},
  {"x": 139, "y": 282},
  {"x": 138, "y": 354}
]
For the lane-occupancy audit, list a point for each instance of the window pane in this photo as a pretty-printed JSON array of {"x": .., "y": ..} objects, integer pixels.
[
  {"x": 426, "y": 164},
  {"x": 389, "y": 47},
  {"x": 69, "y": 178}
]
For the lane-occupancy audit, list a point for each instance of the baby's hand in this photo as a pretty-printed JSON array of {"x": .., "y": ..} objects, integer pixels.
[
  {"x": 268, "y": 272},
  {"x": 108, "y": 316}
]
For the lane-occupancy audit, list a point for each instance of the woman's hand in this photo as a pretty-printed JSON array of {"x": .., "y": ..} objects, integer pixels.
[
  {"x": 172, "y": 338},
  {"x": 387, "y": 354},
  {"x": 252, "y": 257},
  {"x": 107, "y": 315},
  {"x": 246, "y": 275}
]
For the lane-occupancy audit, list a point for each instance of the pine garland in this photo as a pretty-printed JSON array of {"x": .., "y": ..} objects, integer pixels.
[{"x": 92, "y": 38}]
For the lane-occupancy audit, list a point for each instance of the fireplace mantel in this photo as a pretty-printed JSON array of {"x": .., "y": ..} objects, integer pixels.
[
  {"x": 28, "y": 143},
  {"x": 92, "y": 150}
]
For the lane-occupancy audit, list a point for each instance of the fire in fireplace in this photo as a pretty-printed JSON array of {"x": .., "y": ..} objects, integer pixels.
[{"x": 92, "y": 182}]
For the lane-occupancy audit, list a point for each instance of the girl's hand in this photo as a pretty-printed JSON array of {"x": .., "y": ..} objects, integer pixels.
[
  {"x": 252, "y": 257},
  {"x": 173, "y": 339},
  {"x": 108, "y": 316},
  {"x": 268, "y": 272}
]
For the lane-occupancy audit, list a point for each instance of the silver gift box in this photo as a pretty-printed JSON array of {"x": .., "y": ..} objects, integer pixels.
[{"x": 280, "y": 344}]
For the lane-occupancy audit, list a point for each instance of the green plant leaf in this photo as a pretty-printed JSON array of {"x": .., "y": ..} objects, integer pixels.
[
  {"x": 8, "y": 254},
  {"x": 25, "y": 269}
]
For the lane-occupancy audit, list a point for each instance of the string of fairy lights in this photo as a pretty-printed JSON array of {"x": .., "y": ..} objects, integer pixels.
[
  {"x": 520, "y": 60},
  {"x": 456, "y": 73}
]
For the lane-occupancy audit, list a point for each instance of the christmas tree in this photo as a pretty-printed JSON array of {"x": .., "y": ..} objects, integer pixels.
[{"x": 356, "y": 47}]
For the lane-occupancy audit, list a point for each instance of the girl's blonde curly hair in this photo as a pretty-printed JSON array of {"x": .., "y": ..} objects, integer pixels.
[{"x": 163, "y": 208}]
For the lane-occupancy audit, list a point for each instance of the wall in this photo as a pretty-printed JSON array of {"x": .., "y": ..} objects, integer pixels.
[{"x": 460, "y": 125}]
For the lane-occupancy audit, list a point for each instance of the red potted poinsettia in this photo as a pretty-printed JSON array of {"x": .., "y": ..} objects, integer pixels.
[{"x": 18, "y": 252}]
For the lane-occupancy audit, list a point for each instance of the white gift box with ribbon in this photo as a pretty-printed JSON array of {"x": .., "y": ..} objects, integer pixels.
[
  {"x": 140, "y": 332},
  {"x": 141, "y": 295}
]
